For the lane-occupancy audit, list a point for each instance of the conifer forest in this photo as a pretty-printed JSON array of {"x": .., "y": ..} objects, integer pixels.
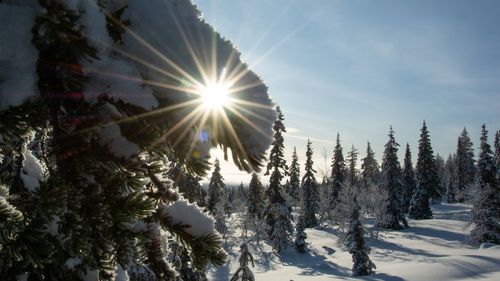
[{"x": 249, "y": 140}]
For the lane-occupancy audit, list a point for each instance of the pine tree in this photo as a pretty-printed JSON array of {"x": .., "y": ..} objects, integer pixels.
[
  {"x": 427, "y": 179},
  {"x": 310, "y": 194},
  {"x": 244, "y": 273},
  {"x": 293, "y": 187},
  {"x": 85, "y": 201},
  {"x": 497, "y": 153},
  {"x": 256, "y": 202},
  {"x": 338, "y": 173},
  {"x": 408, "y": 180},
  {"x": 215, "y": 188},
  {"x": 356, "y": 244},
  {"x": 352, "y": 173},
  {"x": 370, "y": 172},
  {"x": 451, "y": 178},
  {"x": 300, "y": 236},
  {"x": 486, "y": 210},
  {"x": 391, "y": 185},
  {"x": 278, "y": 213},
  {"x": 466, "y": 170}
]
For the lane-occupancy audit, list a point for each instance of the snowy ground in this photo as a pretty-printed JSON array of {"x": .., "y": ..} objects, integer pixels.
[{"x": 436, "y": 249}]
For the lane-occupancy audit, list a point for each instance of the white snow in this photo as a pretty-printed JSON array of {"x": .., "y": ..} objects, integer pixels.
[
  {"x": 72, "y": 262},
  {"x": 121, "y": 274},
  {"x": 434, "y": 249},
  {"x": 181, "y": 211},
  {"x": 53, "y": 227},
  {"x": 90, "y": 275},
  {"x": 32, "y": 172},
  {"x": 138, "y": 226},
  {"x": 18, "y": 56},
  {"x": 118, "y": 145},
  {"x": 22, "y": 277}
]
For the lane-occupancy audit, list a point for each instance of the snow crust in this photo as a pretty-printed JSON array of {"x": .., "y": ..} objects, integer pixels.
[
  {"x": 18, "y": 56},
  {"x": 121, "y": 274},
  {"x": 72, "y": 262},
  {"x": 118, "y": 145},
  {"x": 32, "y": 172},
  {"x": 183, "y": 212}
]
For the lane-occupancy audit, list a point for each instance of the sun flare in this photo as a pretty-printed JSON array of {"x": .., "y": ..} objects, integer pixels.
[{"x": 214, "y": 95}]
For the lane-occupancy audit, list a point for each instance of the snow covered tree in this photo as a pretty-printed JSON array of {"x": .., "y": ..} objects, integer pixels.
[
  {"x": 300, "y": 235},
  {"x": 466, "y": 170},
  {"x": 215, "y": 188},
  {"x": 244, "y": 273},
  {"x": 113, "y": 89},
  {"x": 356, "y": 245},
  {"x": 338, "y": 173},
  {"x": 427, "y": 179},
  {"x": 486, "y": 210},
  {"x": 441, "y": 171},
  {"x": 408, "y": 180},
  {"x": 370, "y": 171},
  {"x": 391, "y": 185},
  {"x": 352, "y": 172},
  {"x": 293, "y": 186},
  {"x": 450, "y": 179},
  {"x": 278, "y": 213},
  {"x": 255, "y": 203},
  {"x": 188, "y": 184},
  {"x": 310, "y": 193},
  {"x": 497, "y": 153}
]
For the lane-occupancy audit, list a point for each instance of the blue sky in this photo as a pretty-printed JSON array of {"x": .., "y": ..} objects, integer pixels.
[{"x": 355, "y": 67}]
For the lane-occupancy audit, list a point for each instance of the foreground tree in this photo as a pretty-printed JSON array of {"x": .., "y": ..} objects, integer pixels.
[
  {"x": 85, "y": 201},
  {"x": 310, "y": 193},
  {"x": 427, "y": 179},
  {"x": 408, "y": 180},
  {"x": 278, "y": 213},
  {"x": 293, "y": 187},
  {"x": 356, "y": 245},
  {"x": 466, "y": 170},
  {"x": 391, "y": 186},
  {"x": 486, "y": 210},
  {"x": 244, "y": 273}
]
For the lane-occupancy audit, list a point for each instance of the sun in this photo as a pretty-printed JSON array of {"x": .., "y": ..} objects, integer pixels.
[{"x": 214, "y": 95}]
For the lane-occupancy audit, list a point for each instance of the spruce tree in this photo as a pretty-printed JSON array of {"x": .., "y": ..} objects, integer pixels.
[
  {"x": 441, "y": 172},
  {"x": 310, "y": 194},
  {"x": 486, "y": 210},
  {"x": 244, "y": 273},
  {"x": 466, "y": 170},
  {"x": 338, "y": 173},
  {"x": 427, "y": 179},
  {"x": 85, "y": 201},
  {"x": 278, "y": 213},
  {"x": 215, "y": 188},
  {"x": 451, "y": 179},
  {"x": 293, "y": 186},
  {"x": 255, "y": 202},
  {"x": 408, "y": 180},
  {"x": 391, "y": 185},
  {"x": 370, "y": 170},
  {"x": 356, "y": 244},
  {"x": 352, "y": 173},
  {"x": 497, "y": 153},
  {"x": 300, "y": 235}
]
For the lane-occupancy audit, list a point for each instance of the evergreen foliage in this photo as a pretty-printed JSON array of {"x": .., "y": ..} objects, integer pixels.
[
  {"x": 81, "y": 194},
  {"x": 486, "y": 210},
  {"x": 370, "y": 171},
  {"x": 293, "y": 187},
  {"x": 427, "y": 179},
  {"x": 497, "y": 153},
  {"x": 244, "y": 273},
  {"x": 215, "y": 188},
  {"x": 466, "y": 170},
  {"x": 300, "y": 236},
  {"x": 310, "y": 193},
  {"x": 352, "y": 173},
  {"x": 277, "y": 213},
  {"x": 255, "y": 203},
  {"x": 188, "y": 184},
  {"x": 356, "y": 245},
  {"x": 338, "y": 173},
  {"x": 391, "y": 185},
  {"x": 451, "y": 179},
  {"x": 408, "y": 180}
]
